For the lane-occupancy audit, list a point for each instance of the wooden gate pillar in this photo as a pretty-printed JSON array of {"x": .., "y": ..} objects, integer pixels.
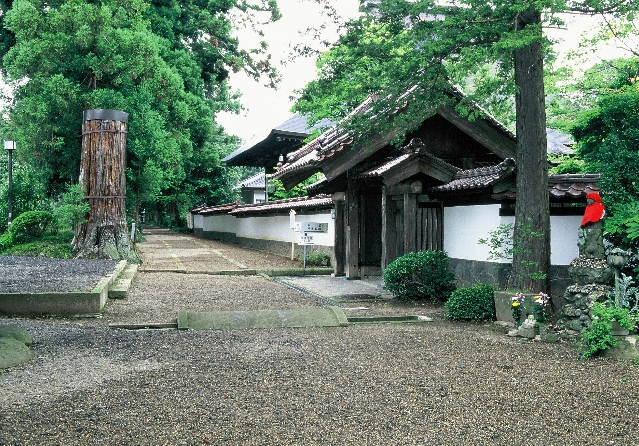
[
  {"x": 389, "y": 248},
  {"x": 352, "y": 231},
  {"x": 339, "y": 247},
  {"x": 410, "y": 216}
]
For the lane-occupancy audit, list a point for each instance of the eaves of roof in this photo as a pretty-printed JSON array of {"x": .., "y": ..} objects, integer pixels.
[
  {"x": 295, "y": 128},
  {"x": 562, "y": 187},
  {"x": 209, "y": 210},
  {"x": 257, "y": 181},
  {"x": 479, "y": 177},
  {"x": 320, "y": 201}
]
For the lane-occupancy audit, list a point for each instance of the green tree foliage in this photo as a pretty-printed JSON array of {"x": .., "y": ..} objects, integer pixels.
[
  {"x": 607, "y": 138},
  {"x": 29, "y": 191},
  {"x": 164, "y": 62},
  {"x": 494, "y": 49},
  {"x": 298, "y": 191}
]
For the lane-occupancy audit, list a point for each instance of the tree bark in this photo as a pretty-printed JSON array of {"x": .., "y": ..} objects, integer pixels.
[
  {"x": 532, "y": 211},
  {"x": 102, "y": 175}
]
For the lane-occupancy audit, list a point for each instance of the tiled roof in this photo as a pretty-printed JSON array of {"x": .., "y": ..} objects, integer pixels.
[
  {"x": 480, "y": 177},
  {"x": 257, "y": 181},
  {"x": 324, "y": 201},
  {"x": 379, "y": 170},
  {"x": 314, "y": 152},
  {"x": 296, "y": 125},
  {"x": 336, "y": 139},
  {"x": 459, "y": 94},
  {"x": 414, "y": 149},
  {"x": 219, "y": 209},
  {"x": 569, "y": 186}
]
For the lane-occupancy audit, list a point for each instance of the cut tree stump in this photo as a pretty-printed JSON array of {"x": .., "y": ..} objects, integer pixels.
[{"x": 102, "y": 175}]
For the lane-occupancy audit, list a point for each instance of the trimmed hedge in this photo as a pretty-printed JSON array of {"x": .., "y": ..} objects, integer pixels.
[
  {"x": 420, "y": 275},
  {"x": 27, "y": 227},
  {"x": 473, "y": 303}
]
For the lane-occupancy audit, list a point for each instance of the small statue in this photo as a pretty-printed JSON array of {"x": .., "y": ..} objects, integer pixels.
[{"x": 591, "y": 231}]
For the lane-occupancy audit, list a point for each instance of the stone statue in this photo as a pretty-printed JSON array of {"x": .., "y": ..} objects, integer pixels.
[{"x": 590, "y": 234}]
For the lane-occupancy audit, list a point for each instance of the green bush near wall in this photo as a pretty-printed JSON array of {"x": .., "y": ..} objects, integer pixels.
[
  {"x": 420, "y": 275},
  {"x": 473, "y": 303}
]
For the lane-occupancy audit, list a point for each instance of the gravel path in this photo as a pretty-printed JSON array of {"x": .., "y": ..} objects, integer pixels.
[{"x": 439, "y": 383}]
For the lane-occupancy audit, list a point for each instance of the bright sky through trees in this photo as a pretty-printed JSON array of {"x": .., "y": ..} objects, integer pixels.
[{"x": 267, "y": 108}]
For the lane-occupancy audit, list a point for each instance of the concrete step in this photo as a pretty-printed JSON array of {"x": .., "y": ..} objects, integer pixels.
[{"x": 120, "y": 287}]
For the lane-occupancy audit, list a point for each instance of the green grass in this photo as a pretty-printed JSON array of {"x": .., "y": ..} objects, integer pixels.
[{"x": 54, "y": 246}]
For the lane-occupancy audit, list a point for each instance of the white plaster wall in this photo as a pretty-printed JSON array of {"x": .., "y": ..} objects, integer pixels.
[
  {"x": 276, "y": 227},
  {"x": 563, "y": 239},
  {"x": 198, "y": 221},
  {"x": 220, "y": 223},
  {"x": 465, "y": 225}
]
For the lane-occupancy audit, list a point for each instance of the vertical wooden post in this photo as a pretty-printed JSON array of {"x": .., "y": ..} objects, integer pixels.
[
  {"x": 389, "y": 250},
  {"x": 339, "y": 247},
  {"x": 352, "y": 232},
  {"x": 410, "y": 222},
  {"x": 102, "y": 175},
  {"x": 410, "y": 216}
]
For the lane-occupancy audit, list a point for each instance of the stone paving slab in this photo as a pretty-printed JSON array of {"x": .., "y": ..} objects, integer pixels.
[
  {"x": 227, "y": 320},
  {"x": 339, "y": 289}
]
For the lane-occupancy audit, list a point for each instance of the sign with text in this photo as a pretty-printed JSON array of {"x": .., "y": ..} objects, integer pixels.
[
  {"x": 311, "y": 226},
  {"x": 306, "y": 240}
]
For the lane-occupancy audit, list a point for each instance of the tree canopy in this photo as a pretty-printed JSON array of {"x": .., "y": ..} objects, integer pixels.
[
  {"x": 494, "y": 50},
  {"x": 164, "y": 62},
  {"x": 607, "y": 139}
]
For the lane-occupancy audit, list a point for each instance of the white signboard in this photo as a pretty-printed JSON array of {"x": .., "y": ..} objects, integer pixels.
[
  {"x": 306, "y": 240},
  {"x": 311, "y": 226}
]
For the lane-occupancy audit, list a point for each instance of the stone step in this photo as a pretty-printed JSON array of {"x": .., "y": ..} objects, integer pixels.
[
  {"x": 235, "y": 320},
  {"x": 120, "y": 287}
]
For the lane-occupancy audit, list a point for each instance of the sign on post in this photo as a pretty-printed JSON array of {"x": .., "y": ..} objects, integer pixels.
[
  {"x": 311, "y": 226},
  {"x": 306, "y": 240}
]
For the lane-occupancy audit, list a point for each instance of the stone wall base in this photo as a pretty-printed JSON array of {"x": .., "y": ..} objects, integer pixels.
[
  {"x": 270, "y": 246},
  {"x": 471, "y": 272}
]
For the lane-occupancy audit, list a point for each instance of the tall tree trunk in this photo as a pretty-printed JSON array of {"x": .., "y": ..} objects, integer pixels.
[
  {"x": 102, "y": 175},
  {"x": 531, "y": 260}
]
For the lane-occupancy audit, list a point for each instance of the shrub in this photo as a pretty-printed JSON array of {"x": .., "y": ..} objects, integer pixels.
[
  {"x": 597, "y": 337},
  {"x": 30, "y": 225},
  {"x": 473, "y": 303},
  {"x": 6, "y": 241},
  {"x": 420, "y": 275},
  {"x": 318, "y": 259}
]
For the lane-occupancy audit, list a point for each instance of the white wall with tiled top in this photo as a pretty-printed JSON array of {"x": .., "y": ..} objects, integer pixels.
[
  {"x": 274, "y": 227},
  {"x": 465, "y": 225},
  {"x": 278, "y": 228}
]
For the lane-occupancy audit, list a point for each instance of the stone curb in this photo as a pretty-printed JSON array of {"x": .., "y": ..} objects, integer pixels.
[
  {"x": 76, "y": 304},
  {"x": 248, "y": 272}
]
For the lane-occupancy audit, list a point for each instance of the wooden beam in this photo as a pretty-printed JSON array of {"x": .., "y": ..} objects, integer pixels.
[
  {"x": 340, "y": 162},
  {"x": 414, "y": 187}
]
